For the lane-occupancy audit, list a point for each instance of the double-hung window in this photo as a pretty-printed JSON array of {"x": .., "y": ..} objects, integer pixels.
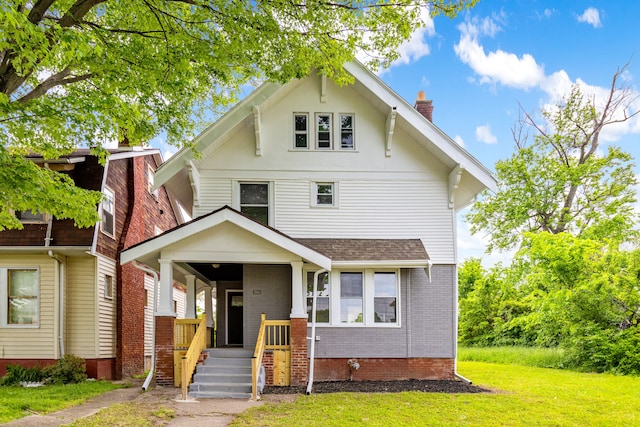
[
  {"x": 346, "y": 131},
  {"x": 385, "y": 297},
  {"x": 323, "y": 194},
  {"x": 301, "y": 130},
  {"x": 254, "y": 200},
  {"x": 322, "y": 297},
  {"x": 323, "y": 131},
  {"x": 108, "y": 213},
  {"x": 20, "y": 293},
  {"x": 351, "y": 297}
]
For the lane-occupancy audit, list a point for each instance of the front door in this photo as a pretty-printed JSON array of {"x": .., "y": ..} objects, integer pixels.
[{"x": 234, "y": 317}]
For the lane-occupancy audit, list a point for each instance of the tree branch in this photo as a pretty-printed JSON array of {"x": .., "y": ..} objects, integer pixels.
[{"x": 58, "y": 79}]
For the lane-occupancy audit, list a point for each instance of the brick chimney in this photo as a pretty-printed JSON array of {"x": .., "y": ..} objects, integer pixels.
[{"x": 424, "y": 106}]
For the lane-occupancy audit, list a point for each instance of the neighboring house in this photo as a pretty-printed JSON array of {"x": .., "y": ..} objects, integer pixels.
[
  {"x": 306, "y": 177},
  {"x": 62, "y": 289}
]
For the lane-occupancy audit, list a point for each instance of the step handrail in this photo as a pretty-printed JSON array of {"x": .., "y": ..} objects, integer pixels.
[
  {"x": 256, "y": 361},
  {"x": 272, "y": 335},
  {"x": 190, "y": 359}
]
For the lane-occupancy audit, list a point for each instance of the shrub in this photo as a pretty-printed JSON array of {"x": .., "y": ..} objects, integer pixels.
[
  {"x": 17, "y": 374},
  {"x": 68, "y": 370},
  {"x": 606, "y": 351}
]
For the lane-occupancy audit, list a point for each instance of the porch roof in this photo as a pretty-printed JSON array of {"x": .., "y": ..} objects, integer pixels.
[
  {"x": 374, "y": 252},
  {"x": 151, "y": 250}
]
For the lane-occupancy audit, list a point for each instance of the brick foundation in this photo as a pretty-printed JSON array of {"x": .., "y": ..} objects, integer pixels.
[
  {"x": 164, "y": 350},
  {"x": 103, "y": 369},
  {"x": 385, "y": 369},
  {"x": 299, "y": 359}
]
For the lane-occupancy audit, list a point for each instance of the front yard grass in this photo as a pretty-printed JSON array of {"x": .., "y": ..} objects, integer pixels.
[
  {"x": 18, "y": 402},
  {"x": 522, "y": 396}
]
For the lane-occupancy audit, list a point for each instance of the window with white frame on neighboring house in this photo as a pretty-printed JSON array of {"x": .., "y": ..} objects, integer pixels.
[
  {"x": 324, "y": 130},
  {"x": 324, "y": 194},
  {"x": 108, "y": 286},
  {"x": 107, "y": 224},
  {"x": 301, "y": 130},
  {"x": 322, "y": 297},
  {"x": 346, "y": 131},
  {"x": 20, "y": 297},
  {"x": 151, "y": 182},
  {"x": 254, "y": 200}
]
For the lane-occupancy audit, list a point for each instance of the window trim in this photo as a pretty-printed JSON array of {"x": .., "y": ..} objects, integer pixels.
[
  {"x": 151, "y": 183},
  {"x": 44, "y": 220},
  {"x": 107, "y": 191},
  {"x": 313, "y": 192},
  {"x": 235, "y": 197},
  {"x": 306, "y": 274},
  {"x": 353, "y": 132},
  {"x": 4, "y": 298},
  {"x": 317, "y": 132},
  {"x": 297, "y": 132},
  {"x": 108, "y": 286},
  {"x": 368, "y": 298}
]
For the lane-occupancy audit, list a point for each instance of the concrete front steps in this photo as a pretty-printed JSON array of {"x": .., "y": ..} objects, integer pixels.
[{"x": 226, "y": 373}]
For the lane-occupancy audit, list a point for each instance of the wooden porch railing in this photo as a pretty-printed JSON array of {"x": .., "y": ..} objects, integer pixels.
[
  {"x": 272, "y": 335},
  {"x": 190, "y": 334}
]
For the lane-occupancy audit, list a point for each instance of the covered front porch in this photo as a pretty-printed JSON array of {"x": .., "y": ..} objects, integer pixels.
[{"x": 247, "y": 268}]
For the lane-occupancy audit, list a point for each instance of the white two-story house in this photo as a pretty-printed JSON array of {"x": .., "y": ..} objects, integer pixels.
[{"x": 351, "y": 182}]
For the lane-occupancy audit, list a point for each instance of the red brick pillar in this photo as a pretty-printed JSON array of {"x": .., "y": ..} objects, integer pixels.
[
  {"x": 299, "y": 358},
  {"x": 164, "y": 350}
]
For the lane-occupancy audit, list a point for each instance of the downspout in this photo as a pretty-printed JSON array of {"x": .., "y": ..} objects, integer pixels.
[
  {"x": 313, "y": 328},
  {"x": 60, "y": 277},
  {"x": 152, "y": 370}
]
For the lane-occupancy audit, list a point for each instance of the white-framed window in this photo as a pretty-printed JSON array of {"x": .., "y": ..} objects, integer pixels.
[
  {"x": 19, "y": 297},
  {"x": 347, "y": 132},
  {"x": 31, "y": 217},
  {"x": 356, "y": 297},
  {"x": 324, "y": 131},
  {"x": 151, "y": 182},
  {"x": 107, "y": 225},
  {"x": 108, "y": 286},
  {"x": 324, "y": 194},
  {"x": 300, "y": 130},
  {"x": 322, "y": 297},
  {"x": 255, "y": 201}
]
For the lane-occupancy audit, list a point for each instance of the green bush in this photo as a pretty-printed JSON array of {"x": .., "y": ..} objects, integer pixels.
[
  {"x": 17, "y": 374},
  {"x": 68, "y": 370},
  {"x": 606, "y": 351}
]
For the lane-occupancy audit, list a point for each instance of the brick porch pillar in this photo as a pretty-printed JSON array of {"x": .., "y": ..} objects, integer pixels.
[
  {"x": 299, "y": 359},
  {"x": 164, "y": 350}
]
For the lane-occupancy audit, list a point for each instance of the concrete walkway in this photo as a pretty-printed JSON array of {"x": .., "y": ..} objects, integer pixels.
[{"x": 204, "y": 412}]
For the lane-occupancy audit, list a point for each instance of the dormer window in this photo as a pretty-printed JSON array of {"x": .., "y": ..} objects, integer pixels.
[{"x": 31, "y": 217}]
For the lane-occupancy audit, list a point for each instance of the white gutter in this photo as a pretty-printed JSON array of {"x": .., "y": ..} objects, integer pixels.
[
  {"x": 60, "y": 278},
  {"x": 152, "y": 370},
  {"x": 313, "y": 328}
]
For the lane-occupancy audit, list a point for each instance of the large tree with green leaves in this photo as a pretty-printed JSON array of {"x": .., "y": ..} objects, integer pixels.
[
  {"x": 87, "y": 72},
  {"x": 565, "y": 180}
]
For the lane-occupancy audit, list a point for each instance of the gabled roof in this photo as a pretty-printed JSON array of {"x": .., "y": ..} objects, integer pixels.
[
  {"x": 468, "y": 176},
  {"x": 149, "y": 251}
]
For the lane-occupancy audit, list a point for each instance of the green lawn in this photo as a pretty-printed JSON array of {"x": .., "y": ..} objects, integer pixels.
[
  {"x": 522, "y": 396},
  {"x": 18, "y": 402}
]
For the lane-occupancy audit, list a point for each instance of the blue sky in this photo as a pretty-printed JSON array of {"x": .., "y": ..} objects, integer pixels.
[{"x": 480, "y": 67}]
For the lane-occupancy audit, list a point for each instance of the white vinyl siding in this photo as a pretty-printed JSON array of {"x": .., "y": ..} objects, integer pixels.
[
  {"x": 81, "y": 318},
  {"x": 148, "y": 315},
  {"x": 40, "y": 341},
  {"x": 107, "y": 309}
]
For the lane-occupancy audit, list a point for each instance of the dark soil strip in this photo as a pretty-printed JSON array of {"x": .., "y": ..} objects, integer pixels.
[{"x": 427, "y": 386}]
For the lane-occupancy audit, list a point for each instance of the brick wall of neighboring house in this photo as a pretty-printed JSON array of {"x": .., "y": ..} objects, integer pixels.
[
  {"x": 384, "y": 369},
  {"x": 138, "y": 213}
]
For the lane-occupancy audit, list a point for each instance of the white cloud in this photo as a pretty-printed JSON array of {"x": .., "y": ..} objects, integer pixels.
[
  {"x": 483, "y": 134},
  {"x": 498, "y": 66},
  {"x": 591, "y": 16},
  {"x": 458, "y": 139}
]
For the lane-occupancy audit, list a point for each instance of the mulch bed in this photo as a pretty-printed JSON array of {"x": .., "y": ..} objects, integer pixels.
[{"x": 427, "y": 386}]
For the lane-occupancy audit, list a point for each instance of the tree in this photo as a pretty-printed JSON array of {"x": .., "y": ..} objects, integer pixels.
[
  {"x": 562, "y": 182},
  {"x": 86, "y": 72}
]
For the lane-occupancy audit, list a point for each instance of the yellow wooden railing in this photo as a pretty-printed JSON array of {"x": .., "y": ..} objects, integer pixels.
[
  {"x": 195, "y": 340},
  {"x": 272, "y": 335}
]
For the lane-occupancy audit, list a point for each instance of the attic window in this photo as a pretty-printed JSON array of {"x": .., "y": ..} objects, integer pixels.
[
  {"x": 346, "y": 131},
  {"x": 301, "y": 130},
  {"x": 323, "y": 131}
]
